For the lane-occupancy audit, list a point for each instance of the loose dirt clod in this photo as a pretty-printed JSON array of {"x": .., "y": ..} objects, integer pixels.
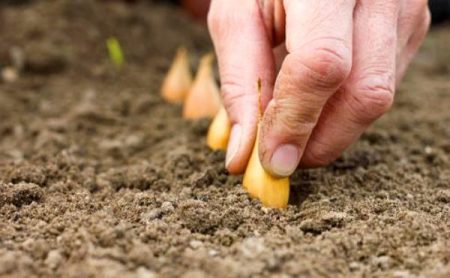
[{"x": 20, "y": 194}]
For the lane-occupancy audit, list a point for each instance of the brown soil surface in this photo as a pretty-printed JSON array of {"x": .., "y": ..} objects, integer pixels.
[{"x": 98, "y": 176}]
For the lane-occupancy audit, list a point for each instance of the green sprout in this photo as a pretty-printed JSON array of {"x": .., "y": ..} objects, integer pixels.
[{"x": 115, "y": 52}]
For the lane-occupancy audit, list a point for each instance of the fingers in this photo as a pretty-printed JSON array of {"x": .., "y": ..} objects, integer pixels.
[
  {"x": 245, "y": 55},
  {"x": 274, "y": 19},
  {"x": 279, "y": 54},
  {"x": 318, "y": 62},
  {"x": 369, "y": 91},
  {"x": 413, "y": 26}
]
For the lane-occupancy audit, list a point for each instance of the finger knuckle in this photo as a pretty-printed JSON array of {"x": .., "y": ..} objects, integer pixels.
[
  {"x": 332, "y": 63},
  {"x": 291, "y": 120},
  {"x": 214, "y": 21},
  {"x": 234, "y": 94},
  {"x": 325, "y": 66},
  {"x": 371, "y": 99},
  {"x": 224, "y": 18},
  {"x": 319, "y": 155},
  {"x": 419, "y": 4}
]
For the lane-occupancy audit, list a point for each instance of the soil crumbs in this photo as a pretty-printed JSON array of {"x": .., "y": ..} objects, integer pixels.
[{"x": 99, "y": 177}]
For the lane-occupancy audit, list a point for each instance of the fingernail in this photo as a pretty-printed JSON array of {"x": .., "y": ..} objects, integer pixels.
[
  {"x": 233, "y": 143},
  {"x": 285, "y": 160}
]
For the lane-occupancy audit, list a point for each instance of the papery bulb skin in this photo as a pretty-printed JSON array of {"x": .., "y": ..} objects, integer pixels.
[
  {"x": 203, "y": 99},
  {"x": 273, "y": 192},
  {"x": 219, "y": 131},
  {"x": 178, "y": 81}
]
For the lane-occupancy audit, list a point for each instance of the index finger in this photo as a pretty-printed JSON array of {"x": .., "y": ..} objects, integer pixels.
[{"x": 245, "y": 56}]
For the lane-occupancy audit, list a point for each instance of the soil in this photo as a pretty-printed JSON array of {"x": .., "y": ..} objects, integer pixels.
[{"x": 100, "y": 177}]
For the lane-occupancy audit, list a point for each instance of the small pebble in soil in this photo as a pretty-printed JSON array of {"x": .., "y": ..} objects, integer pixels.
[
  {"x": 354, "y": 266},
  {"x": 382, "y": 262},
  {"x": 401, "y": 274},
  {"x": 195, "y": 244},
  {"x": 213, "y": 253},
  {"x": 143, "y": 272},
  {"x": 53, "y": 259},
  {"x": 9, "y": 75}
]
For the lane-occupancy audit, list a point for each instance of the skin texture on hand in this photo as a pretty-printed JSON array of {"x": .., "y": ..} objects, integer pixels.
[{"x": 328, "y": 70}]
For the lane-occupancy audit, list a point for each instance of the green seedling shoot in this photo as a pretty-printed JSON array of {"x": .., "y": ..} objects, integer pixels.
[{"x": 115, "y": 52}]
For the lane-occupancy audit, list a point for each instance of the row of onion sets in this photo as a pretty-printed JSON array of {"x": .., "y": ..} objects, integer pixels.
[{"x": 200, "y": 97}]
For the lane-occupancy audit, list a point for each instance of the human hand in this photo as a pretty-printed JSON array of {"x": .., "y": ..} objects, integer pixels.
[{"x": 343, "y": 62}]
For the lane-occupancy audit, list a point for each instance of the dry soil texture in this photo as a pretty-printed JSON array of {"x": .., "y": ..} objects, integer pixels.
[{"x": 99, "y": 177}]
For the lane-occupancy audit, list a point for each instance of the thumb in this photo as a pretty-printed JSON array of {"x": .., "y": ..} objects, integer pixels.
[
  {"x": 245, "y": 56},
  {"x": 319, "y": 60}
]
